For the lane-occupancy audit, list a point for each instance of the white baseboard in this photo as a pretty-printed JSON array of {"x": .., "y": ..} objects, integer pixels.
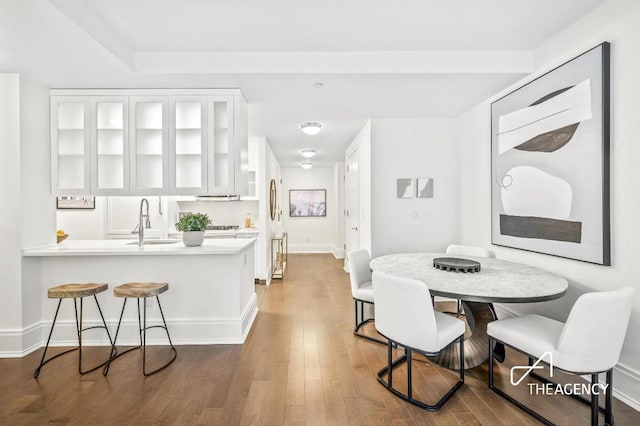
[
  {"x": 214, "y": 331},
  {"x": 626, "y": 380},
  {"x": 338, "y": 253},
  {"x": 310, "y": 248}
]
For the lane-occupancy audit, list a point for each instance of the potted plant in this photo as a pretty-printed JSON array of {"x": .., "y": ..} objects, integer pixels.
[{"x": 192, "y": 226}]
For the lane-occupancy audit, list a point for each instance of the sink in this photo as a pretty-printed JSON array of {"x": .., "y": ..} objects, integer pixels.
[{"x": 148, "y": 242}]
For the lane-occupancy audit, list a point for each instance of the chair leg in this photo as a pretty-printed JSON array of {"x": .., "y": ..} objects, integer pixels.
[
  {"x": 608, "y": 413},
  {"x": 360, "y": 322},
  {"x": 115, "y": 352},
  {"x": 144, "y": 341},
  {"x": 36, "y": 373},
  {"x": 78, "y": 316},
  {"x": 409, "y": 374},
  {"x": 407, "y": 357},
  {"x": 142, "y": 333},
  {"x": 594, "y": 401}
]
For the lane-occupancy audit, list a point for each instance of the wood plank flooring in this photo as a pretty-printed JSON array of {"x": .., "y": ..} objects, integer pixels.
[{"x": 301, "y": 365}]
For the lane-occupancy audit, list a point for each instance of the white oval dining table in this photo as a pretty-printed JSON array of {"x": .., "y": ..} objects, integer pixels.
[{"x": 500, "y": 281}]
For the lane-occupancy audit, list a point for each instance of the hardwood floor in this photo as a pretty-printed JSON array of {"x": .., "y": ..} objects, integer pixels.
[{"x": 301, "y": 364}]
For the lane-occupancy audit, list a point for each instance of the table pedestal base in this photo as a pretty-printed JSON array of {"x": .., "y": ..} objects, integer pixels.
[{"x": 476, "y": 343}]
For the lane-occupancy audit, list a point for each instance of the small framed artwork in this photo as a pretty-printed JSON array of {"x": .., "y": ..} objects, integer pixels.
[
  {"x": 405, "y": 188},
  {"x": 63, "y": 203},
  {"x": 307, "y": 202},
  {"x": 425, "y": 187}
]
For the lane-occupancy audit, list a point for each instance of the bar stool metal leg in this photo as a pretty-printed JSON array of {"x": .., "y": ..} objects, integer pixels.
[
  {"x": 144, "y": 340},
  {"x": 79, "y": 330},
  {"x": 36, "y": 373},
  {"x": 142, "y": 291}
]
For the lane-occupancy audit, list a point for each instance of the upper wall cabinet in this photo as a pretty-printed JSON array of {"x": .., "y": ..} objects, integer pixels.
[
  {"x": 109, "y": 145},
  {"x": 149, "y": 142},
  {"x": 70, "y": 144},
  {"x": 188, "y": 143}
]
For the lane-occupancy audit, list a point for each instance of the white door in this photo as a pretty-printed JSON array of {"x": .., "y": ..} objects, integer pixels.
[{"x": 352, "y": 204}]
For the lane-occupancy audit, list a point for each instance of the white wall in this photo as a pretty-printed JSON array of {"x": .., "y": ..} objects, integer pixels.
[
  {"x": 414, "y": 148},
  {"x": 269, "y": 168},
  {"x": 84, "y": 224},
  {"x": 37, "y": 206},
  {"x": 616, "y": 22},
  {"x": 220, "y": 212},
  {"x": 310, "y": 234},
  {"x": 339, "y": 202},
  {"x": 10, "y": 214}
]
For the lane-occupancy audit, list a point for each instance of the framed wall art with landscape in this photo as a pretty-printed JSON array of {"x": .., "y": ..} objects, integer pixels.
[{"x": 307, "y": 202}]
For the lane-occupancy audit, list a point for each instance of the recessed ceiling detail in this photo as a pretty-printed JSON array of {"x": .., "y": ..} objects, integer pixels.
[{"x": 417, "y": 58}]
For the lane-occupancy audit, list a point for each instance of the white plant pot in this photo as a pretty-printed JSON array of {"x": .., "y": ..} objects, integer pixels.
[{"x": 193, "y": 238}]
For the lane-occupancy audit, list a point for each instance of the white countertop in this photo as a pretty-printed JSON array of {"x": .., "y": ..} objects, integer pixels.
[{"x": 122, "y": 248}]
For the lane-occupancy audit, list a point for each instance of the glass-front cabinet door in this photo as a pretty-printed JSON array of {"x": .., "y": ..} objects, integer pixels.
[
  {"x": 110, "y": 145},
  {"x": 70, "y": 145},
  {"x": 221, "y": 147},
  {"x": 188, "y": 145},
  {"x": 148, "y": 139}
]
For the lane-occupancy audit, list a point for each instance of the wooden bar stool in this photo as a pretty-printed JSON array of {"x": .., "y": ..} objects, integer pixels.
[
  {"x": 141, "y": 291},
  {"x": 75, "y": 291}
]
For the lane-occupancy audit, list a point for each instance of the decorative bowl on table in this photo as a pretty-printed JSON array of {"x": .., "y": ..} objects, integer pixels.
[{"x": 61, "y": 238}]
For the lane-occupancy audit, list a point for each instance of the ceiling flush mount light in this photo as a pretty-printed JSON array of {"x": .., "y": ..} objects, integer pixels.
[
  {"x": 318, "y": 85},
  {"x": 307, "y": 165},
  {"x": 308, "y": 153},
  {"x": 311, "y": 127}
]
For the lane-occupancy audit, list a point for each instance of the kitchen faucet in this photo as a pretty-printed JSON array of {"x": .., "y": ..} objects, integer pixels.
[{"x": 141, "y": 225}]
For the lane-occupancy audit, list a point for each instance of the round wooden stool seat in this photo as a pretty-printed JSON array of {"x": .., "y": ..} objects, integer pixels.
[
  {"x": 139, "y": 290},
  {"x": 70, "y": 291}
]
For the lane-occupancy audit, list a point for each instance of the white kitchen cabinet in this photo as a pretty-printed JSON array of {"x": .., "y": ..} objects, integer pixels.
[
  {"x": 109, "y": 145},
  {"x": 149, "y": 136},
  {"x": 70, "y": 145},
  {"x": 149, "y": 142},
  {"x": 188, "y": 145},
  {"x": 221, "y": 155}
]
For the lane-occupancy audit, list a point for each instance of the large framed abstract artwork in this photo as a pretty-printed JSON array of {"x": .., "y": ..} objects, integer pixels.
[{"x": 550, "y": 162}]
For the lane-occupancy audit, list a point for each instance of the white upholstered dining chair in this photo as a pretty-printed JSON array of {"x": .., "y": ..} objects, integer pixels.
[
  {"x": 361, "y": 289},
  {"x": 588, "y": 343},
  {"x": 462, "y": 250},
  {"x": 405, "y": 316}
]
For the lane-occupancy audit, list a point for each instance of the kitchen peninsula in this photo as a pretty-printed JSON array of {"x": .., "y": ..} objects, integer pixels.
[{"x": 211, "y": 297}]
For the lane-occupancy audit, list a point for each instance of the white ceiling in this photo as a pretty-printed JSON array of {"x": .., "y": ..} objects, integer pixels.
[{"x": 287, "y": 46}]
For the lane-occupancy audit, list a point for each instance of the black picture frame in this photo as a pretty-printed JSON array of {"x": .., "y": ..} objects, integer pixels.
[
  {"x": 580, "y": 167},
  {"x": 307, "y": 203},
  {"x": 76, "y": 203}
]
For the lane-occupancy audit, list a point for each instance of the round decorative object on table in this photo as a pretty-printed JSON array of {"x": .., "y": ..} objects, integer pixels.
[{"x": 454, "y": 264}]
